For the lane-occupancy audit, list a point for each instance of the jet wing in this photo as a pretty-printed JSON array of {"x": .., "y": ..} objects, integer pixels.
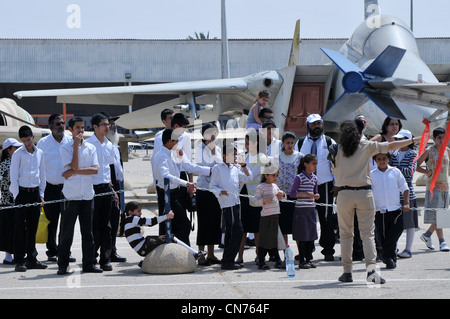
[{"x": 123, "y": 95}]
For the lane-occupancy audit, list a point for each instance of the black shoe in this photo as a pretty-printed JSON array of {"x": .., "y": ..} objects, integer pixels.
[
  {"x": 346, "y": 277},
  {"x": 72, "y": 259},
  {"x": 93, "y": 269},
  {"x": 118, "y": 259},
  {"x": 390, "y": 263},
  {"x": 230, "y": 266},
  {"x": 20, "y": 267},
  {"x": 36, "y": 265},
  {"x": 106, "y": 267},
  {"x": 329, "y": 258},
  {"x": 52, "y": 258},
  {"x": 64, "y": 271}
]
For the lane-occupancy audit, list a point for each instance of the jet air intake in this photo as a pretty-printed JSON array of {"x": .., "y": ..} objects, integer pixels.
[{"x": 356, "y": 82}]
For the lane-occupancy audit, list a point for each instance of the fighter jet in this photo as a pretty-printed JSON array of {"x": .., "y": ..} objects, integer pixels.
[{"x": 378, "y": 72}]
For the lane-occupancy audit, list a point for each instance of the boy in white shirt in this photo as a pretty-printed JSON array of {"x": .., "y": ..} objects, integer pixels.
[
  {"x": 168, "y": 163},
  {"x": 27, "y": 174},
  {"x": 387, "y": 184},
  {"x": 225, "y": 178},
  {"x": 80, "y": 161}
]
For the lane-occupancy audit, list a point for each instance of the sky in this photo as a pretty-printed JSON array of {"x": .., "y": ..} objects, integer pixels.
[{"x": 178, "y": 19}]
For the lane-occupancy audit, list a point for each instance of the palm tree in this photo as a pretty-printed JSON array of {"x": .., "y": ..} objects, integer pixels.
[{"x": 200, "y": 36}]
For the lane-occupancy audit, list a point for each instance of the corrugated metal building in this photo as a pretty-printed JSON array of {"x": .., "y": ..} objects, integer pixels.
[{"x": 48, "y": 63}]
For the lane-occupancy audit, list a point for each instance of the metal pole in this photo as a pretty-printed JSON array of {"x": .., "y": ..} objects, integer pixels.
[
  {"x": 225, "y": 56},
  {"x": 412, "y": 16},
  {"x": 167, "y": 210}
]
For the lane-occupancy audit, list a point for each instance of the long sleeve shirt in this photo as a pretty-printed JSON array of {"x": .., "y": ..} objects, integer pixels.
[
  {"x": 304, "y": 183},
  {"x": 132, "y": 229},
  {"x": 106, "y": 157},
  {"x": 265, "y": 190},
  {"x": 167, "y": 165},
  {"x": 204, "y": 157},
  {"x": 27, "y": 170},
  {"x": 224, "y": 177},
  {"x": 52, "y": 158}
]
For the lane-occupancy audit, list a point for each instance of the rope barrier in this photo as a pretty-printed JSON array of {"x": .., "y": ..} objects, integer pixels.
[{"x": 198, "y": 188}]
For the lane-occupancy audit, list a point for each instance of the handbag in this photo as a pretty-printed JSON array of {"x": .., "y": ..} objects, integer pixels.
[{"x": 42, "y": 231}]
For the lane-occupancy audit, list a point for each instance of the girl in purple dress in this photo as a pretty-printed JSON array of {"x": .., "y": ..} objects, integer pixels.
[{"x": 304, "y": 225}]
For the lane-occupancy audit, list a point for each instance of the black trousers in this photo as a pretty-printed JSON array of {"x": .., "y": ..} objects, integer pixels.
[
  {"x": 327, "y": 220},
  {"x": 388, "y": 228},
  {"x": 52, "y": 212},
  {"x": 26, "y": 223},
  {"x": 181, "y": 225},
  {"x": 101, "y": 225},
  {"x": 232, "y": 228},
  {"x": 115, "y": 219},
  {"x": 83, "y": 209}
]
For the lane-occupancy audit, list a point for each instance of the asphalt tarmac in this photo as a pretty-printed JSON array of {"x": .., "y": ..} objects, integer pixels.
[{"x": 426, "y": 275}]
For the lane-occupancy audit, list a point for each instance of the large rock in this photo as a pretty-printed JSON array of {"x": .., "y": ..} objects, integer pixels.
[{"x": 169, "y": 259}]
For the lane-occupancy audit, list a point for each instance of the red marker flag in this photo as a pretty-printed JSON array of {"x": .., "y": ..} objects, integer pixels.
[{"x": 442, "y": 151}]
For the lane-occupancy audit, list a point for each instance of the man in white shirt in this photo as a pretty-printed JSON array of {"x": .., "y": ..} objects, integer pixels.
[
  {"x": 225, "y": 179},
  {"x": 387, "y": 184},
  {"x": 317, "y": 143},
  {"x": 166, "y": 119},
  {"x": 51, "y": 146},
  {"x": 167, "y": 164},
  {"x": 27, "y": 174},
  {"x": 117, "y": 184},
  {"x": 102, "y": 184},
  {"x": 80, "y": 162}
]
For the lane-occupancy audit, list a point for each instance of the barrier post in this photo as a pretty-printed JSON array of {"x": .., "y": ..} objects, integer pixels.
[{"x": 167, "y": 210}]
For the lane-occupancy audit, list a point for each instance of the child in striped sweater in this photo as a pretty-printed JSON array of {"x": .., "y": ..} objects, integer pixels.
[
  {"x": 304, "y": 225},
  {"x": 144, "y": 245},
  {"x": 267, "y": 195}
]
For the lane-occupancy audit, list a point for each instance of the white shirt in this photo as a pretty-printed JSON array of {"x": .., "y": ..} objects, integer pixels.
[
  {"x": 52, "y": 158},
  {"x": 184, "y": 143},
  {"x": 27, "y": 170},
  {"x": 167, "y": 165},
  {"x": 386, "y": 188},
  {"x": 203, "y": 156},
  {"x": 224, "y": 177},
  {"x": 323, "y": 164},
  {"x": 157, "y": 145},
  {"x": 79, "y": 187},
  {"x": 105, "y": 156}
]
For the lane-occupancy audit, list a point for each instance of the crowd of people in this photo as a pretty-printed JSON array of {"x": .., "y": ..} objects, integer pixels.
[{"x": 360, "y": 191}]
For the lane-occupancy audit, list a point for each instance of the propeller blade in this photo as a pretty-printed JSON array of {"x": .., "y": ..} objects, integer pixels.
[
  {"x": 386, "y": 104},
  {"x": 345, "y": 105},
  {"x": 344, "y": 64},
  {"x": 386, "y": 63}
]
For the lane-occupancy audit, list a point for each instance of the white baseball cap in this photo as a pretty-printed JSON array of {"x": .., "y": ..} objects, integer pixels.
[
  {"x": 403, "y": 133},
  {"x": 313, "y": 118},
  {"x": 11, "y": 142}
]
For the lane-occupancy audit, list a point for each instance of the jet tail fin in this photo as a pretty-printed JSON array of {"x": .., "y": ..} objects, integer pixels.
[
  {"x": 295, "y": 48},
  {"x": 371, "y": 7}
]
